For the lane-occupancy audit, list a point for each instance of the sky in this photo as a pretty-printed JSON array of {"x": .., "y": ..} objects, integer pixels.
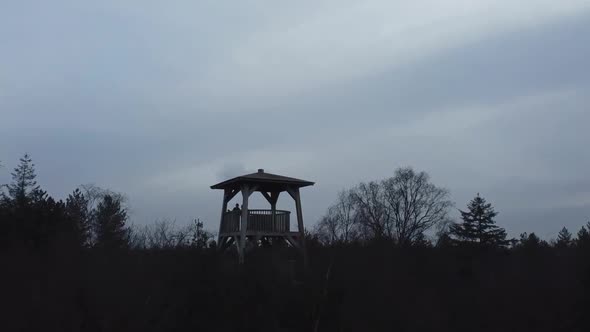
[{"x": 160, "y": 100}]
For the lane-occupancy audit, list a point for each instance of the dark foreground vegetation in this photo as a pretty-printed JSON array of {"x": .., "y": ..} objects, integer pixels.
[{"x": 77, "y": 266}]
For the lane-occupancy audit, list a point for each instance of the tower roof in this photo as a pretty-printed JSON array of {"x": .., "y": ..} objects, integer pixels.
[{"x": 265, "y": 181}]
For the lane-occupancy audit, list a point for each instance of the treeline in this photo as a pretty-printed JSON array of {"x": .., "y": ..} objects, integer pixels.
[
  {"x": 401, "y": 210},
  {"x": 386, "y": 256},
  {"x": 90, "y": 217}
]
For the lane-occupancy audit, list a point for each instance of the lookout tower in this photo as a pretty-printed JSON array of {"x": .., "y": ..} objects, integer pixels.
[{"x": 250, "y": 226}]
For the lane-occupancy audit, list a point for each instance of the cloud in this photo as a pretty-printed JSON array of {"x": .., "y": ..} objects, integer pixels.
[
  {"x": 231, "y": 170},
  {"x": 349, "y": 40},
  {"x": 160, "y": 101}
]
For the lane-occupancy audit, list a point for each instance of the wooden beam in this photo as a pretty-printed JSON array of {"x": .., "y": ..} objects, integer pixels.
[
  {"x": 237, "y": 242},
  {"x": 292, "y": 241},
  {"x": 297, "y": 196},
  {"x": 274, "y": 197},
  {"x": 223, "y": 209},
  {"x": 271, "y": 197},
  {"x": 253, "y": 245},
  {"x": 231, "y": 194},
  {"x": 267, "y": 196},
  {"x": 226, "y": 242},
  {"x": 292, "y": 193},
  {"x": 246, "y": 192}
]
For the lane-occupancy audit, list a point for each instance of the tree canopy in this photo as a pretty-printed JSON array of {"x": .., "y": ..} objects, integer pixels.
[{"x": 478, "y": 225}]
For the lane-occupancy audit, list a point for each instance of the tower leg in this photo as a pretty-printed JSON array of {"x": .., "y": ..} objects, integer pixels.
[
  {"x": 297, "y": 197},
  {"x": 226, "y": 193},
  {"x": 246, "y": 191}
]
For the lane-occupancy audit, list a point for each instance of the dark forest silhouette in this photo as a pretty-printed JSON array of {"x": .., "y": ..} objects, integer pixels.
[{"x": 385, "y": 257}]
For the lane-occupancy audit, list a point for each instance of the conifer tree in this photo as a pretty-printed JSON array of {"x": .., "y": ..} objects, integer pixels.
[
  {"x": 24, "y": 189},
  {"x": 531, "y": 242},
  {"x": 79, "y": 217},
  {"x": 109, "y": 222},
  {"x": 478, "y": 226},
  {"x": 564, "y": 238},
  {"x": 583, "y": 239}
]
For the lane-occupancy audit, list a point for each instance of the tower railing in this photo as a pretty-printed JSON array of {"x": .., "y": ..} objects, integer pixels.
[{"x": 261, "y": 221}]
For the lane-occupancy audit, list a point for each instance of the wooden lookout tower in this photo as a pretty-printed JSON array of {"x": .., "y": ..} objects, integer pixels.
[{"x": 248, "y": 227}]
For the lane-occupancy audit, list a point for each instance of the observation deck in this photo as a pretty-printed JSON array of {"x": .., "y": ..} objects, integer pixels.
[{"x": 259, "y": 222}]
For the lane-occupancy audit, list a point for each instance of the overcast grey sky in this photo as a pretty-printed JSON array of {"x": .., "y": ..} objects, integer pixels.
[{"x": 161, "y": 99}]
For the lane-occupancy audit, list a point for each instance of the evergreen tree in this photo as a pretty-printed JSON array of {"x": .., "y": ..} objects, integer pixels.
[
  {"x": 109, "y": 222},
  {"x": 583, "y": 239},
  {"x": 24, "y": 189},
  {"x": 79, "y": 217},
  {"x": 531, "y": 241},
  {"x": 26, "y": 209},
  {"x": 564, "y": 238},
  {"x": 46, "y": 224},
  {"x": 478, "y": 226}
]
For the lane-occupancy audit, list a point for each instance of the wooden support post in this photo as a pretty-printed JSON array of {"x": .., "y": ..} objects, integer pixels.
[
  {"x": 226, "y": 193},
  {"x": 273, "y": 217},
  {"x": 237, "y": 243},
  {"x": 274, "y": 197},
  {"x": 301, "y": 227},
  {"x": 246, "y": 192},
  {"x": 294, "y": 192}
]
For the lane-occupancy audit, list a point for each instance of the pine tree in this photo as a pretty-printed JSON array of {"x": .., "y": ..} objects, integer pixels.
[
  {"x": 564, "y": 238},
  {"x": 531, "y": 241},
  {"x": 478, "y": 226},
  {"x": 583, "y": 239},
  {"x": 25, "y": 208},
  {"x": 79, "y": 217},
  {"x": 24, "y": 189},
  {"x": 109, "y": 223}
]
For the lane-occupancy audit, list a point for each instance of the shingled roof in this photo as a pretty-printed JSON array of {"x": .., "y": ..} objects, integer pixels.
[{"x": 263, "y": 179}]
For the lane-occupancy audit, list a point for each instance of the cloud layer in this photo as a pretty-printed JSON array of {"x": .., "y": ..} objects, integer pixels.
[{"x": 162, "y": 100}]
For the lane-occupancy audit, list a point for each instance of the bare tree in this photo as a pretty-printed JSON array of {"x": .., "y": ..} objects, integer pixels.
[
  {"x": 399, "y": 208},
  {"x": 197, "y": 235},
  {"x": 327, "y": 229},
  {"x": 339, "y": 225},
  {"x": 164, "y": 234},
  {"x": 414, "y": 204},
  {"x": 138, "y": 237},
  {"x": 371, "y": 210},
  {"x": 346, "y": 214}
]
